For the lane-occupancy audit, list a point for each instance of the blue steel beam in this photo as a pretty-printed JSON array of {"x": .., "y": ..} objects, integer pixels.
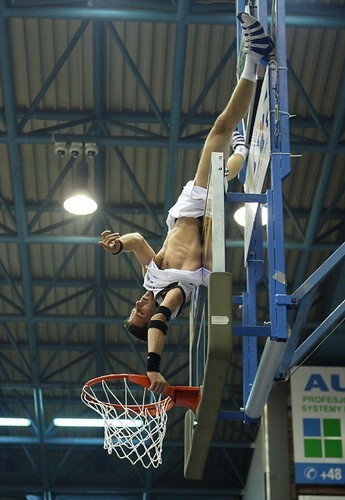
[
  {"x": 74, "y": 283},
  {"x": 62, "y": 267},
  {"x": 72, "y": 219},
  {"x": 11, "y": 303},
  {"x": 77, "y": 361},
  {"x": 63, "y": 318},
  {"x": 327, "y": 215},
  {"x": 53, "y": 74},
  {"x": 138, "y": 77},
  {"x": 76, "y": 118},
  {"x": 65, "y": 300},
  {"x": 310, "y": 107},
  {"x": 111, "y": 287},
  {"x": 190, "y": 115},
  {"x": 58, "y": 348},
  {"x": 55, "y": 186},
  {"x": 12, "y": 285},
  {"x": 106, "y": 294},
  {"x": 113, "y": 211},
  {"x": 304, "y": 297},
  {"x": 331, "y": 17},
  {"x": 98, "y": 56},
  {"x": 323, "y": 182},
  {"x": 298, "y": 325},
  {"x": 299, "y": 146},
  {"x": 18, "y": 191},
  {"x": 111, "y": 214},
  {"x": 74, "y": 347},
  {"x": 326, "y": 267},
  {"x": 319, "y": 334},
  {"x": 96, "y": 442},
  {"x": 7, "y": 209},
  {"x": 124, "y": 165},
  {"x": 57, "y": 225},
  {"x": 176, "y": 104},
  {"x": 6, "y": 361},
  {"x": 338, "y": 288},
  {"x": 41, "y": 207},
  {"x": 118, "y": 320},
  {"x": 293, "y": 217},
  {"x": 93, "y": 240}
]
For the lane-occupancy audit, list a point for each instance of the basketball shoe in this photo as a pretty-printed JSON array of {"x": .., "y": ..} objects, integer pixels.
[{"x": 257, "y": 44}]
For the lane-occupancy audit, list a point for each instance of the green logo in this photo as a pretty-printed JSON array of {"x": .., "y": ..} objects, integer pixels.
[{"x": 322, "y": 438}]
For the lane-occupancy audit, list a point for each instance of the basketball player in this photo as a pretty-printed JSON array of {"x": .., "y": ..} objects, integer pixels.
[{"x": 171, "y": 274}]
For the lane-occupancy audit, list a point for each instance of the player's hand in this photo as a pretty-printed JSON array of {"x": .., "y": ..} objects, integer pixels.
[
  {"x": 237, "y": 139},
  {"x": 110, "y": 241},
  {"x": 158, "y": 382}
]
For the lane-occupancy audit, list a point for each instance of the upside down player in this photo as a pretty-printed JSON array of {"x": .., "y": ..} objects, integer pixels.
[{"x": 171, "y": 274}]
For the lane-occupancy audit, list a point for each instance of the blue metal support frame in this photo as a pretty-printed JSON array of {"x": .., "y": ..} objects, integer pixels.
[
  {"x": 258, "y": 380},
  {"x": 319, "y": 334},
  {"x": 303, "y": 298},
  {"x": 279, "y": 168}
]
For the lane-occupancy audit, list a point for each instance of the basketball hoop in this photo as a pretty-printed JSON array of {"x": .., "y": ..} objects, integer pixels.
[{"x": 134, "y": 418}]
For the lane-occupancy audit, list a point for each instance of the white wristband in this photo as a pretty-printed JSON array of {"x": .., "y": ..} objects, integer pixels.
[{"x": 242, "y": 150}]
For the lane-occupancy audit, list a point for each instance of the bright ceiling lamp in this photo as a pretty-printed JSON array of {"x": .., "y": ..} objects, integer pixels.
[
  {"x": 14, "y": 422},
  {"x": 81, "y": 201},
  {"x": 96, "y": 422},
  {"x": 240, "y": 214}
]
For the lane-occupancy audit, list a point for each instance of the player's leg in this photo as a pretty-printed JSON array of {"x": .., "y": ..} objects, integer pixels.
[
  {"x": 257, "y": 48},
  {"x": 219, "y": 137}
]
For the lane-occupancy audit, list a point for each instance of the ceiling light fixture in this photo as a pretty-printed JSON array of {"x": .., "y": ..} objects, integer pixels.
[
  {"x": 14, "y": 422},
  {"x": 96, "y": 422},
  {"x": 240, "y": 214},
  {"x": 81, "y": 201}
]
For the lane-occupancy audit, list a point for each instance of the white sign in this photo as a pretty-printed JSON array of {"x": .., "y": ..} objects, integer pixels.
[
  {"x": 258, "y": 159},
  {"x": 318, "y": 418}
]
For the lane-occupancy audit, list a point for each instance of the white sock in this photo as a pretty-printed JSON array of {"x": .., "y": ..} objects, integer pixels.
[
  {"x": 250, "y": 69},
  {"x": 242, "y": 150}
]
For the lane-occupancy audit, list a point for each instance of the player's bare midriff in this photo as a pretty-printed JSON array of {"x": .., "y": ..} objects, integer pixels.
[{"x": 182, "y": 247}]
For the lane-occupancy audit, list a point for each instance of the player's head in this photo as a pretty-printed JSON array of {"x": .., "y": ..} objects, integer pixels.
[{"x": 137, "y": 322}]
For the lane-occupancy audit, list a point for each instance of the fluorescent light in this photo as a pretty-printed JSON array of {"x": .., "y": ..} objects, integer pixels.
[
  {"x": 240, "y": 214},
  {"x": 80, "y": 201},
  {"x": 80, "y": 204},
  {"x": 96, "y": 422},
  {"x": 14, "y": 422}
]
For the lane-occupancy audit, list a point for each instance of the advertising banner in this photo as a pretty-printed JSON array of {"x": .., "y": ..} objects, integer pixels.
[{"x": 318, "y": 418}]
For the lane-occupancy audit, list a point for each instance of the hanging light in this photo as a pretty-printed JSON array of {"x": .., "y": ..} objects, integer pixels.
[
  {"x": 240, "y": 214},
  {"x": 81, "y": 201}
]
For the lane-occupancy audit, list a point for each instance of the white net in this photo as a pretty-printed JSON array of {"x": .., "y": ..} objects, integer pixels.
[{"x": 135, "y": 425}]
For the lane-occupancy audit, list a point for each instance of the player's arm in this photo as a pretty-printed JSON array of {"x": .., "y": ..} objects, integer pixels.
[
  {"x": 113, "y": 243},
  {"x": 157, "y": 331}
]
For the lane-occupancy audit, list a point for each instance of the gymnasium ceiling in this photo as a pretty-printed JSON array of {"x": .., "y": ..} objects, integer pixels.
[{"x": 144, "y": 81}]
